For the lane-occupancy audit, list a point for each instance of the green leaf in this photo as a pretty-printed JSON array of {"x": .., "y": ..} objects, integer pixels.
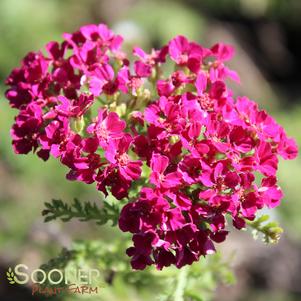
[
  {"x": 270, "y": 232},
  {"x": 84, "y": 211},
  {"x": 49, "y": 218},
  {"x": 263, "y": 218},
  {"x": 193, "y": 296}
]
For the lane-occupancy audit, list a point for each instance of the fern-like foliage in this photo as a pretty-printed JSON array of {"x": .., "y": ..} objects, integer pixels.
[
  {"x": 192, "y": 283},
  {"x": 84, "y": 211},
  {"x": 270, "y": 232}
]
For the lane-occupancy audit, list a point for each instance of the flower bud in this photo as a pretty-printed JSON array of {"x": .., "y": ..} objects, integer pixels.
[{"x": 77, "y": 124}]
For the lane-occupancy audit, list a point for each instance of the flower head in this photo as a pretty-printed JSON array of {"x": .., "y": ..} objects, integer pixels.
[{"x": 193, "y": 150}]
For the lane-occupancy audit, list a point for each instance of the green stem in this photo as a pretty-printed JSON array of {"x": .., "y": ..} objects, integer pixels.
[{"x": 181, "y": 284}]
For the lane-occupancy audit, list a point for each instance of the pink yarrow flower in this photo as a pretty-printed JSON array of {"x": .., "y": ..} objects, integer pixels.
[{"x": 192, "y": 148}]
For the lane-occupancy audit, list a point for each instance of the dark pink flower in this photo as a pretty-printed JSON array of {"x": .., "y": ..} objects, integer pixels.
[
  {"x": 117, "y": 155},
  {"x": 270, "y": 192},
  {"x": 267, "y": 161},
  {"x": 107, "y": 126},
  {"x": 199, "y": 145},
  {"x": 159, "y": 176},
  {"x": 75, "y": 107},
  {"x": 102, "y": 81}
]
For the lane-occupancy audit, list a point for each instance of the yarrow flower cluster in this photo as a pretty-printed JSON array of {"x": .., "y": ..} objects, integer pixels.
[{"x": 202, "y": 150}]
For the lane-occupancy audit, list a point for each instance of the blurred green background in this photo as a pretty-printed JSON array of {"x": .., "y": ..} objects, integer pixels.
[{"x": 267, "y": 36}]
